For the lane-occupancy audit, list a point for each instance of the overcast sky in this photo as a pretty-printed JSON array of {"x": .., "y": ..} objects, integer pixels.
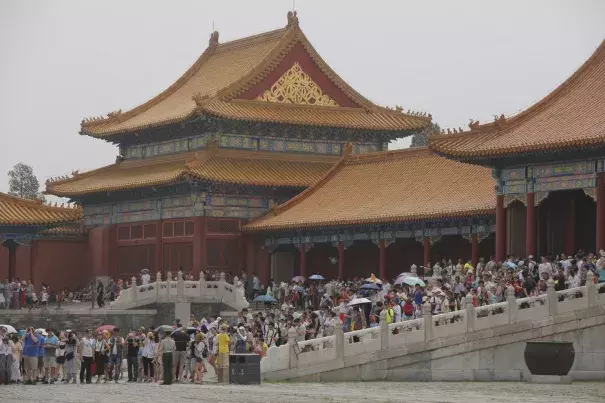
[{"x": 64, "y": 60}]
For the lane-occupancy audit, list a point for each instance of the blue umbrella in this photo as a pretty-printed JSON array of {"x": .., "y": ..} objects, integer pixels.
[
  {"x": 317, "y": 277},
  {"x": 265, "y": 298},
  {"x": 370, "y": 286}
]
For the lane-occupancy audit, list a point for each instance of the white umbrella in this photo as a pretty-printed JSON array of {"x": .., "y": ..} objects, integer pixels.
[
  {"x": 413, "y": 281},
  {"x": 42, "y": 332},
  {"x": 9, "y": 328},
  {"x": 358, "y": 301}
]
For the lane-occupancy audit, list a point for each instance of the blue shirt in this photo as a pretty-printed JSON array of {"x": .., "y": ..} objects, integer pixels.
[
  {"x": 30, "y": 349},
  {"x": 418, "y": 297},
  {"x": 50, "y": 351},
  {"x": 41, "y": 340}
]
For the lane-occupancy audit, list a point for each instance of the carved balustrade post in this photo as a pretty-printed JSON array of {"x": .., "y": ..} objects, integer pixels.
[
  {"x": 470, "y": 313},
  {"x": 512, "y": 304},
  {"x": 551, "y": 295},
  {"x": 339, "y": 336},
  {"x": 202, "y": 284},
  {"x": 427, "y": 316},
  {"x": 168, "y": 285},
  {"x": 158, "y": 282},
  {"x": 293, "y": 347},
  {"x": 134, "y": 290},
  {"x": 180, "y": 287},
  {"x": 384, "y": 331},
  {"x": 591, "y": 289}
]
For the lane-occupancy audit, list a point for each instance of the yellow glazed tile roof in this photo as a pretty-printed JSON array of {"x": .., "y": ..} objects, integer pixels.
[
  {"x": 225, "y": 166},
  {"x": 225, "y": 71},
  {"x": 392, "y": 186},
  {"x": 358, "y": 118},
  {"x": 573, "y": 115},
  {"x": 15, "y": 211},
  {"x": 123, "y": 175},
  {"x": 264, "y": 169}
]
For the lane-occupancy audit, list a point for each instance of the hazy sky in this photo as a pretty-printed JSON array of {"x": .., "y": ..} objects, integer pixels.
[{"x": 64, "y": 60}]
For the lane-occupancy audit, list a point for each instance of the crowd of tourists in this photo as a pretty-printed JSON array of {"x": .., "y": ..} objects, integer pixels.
[{"x": 303, "y": 308}]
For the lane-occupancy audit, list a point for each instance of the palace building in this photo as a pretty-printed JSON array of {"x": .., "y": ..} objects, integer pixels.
[
  {"x": 251, "y": 124},
  {"x": 548, "y": 163},
  {"x": 261, "y": 158},
  {"x": 41, "y": 243}
]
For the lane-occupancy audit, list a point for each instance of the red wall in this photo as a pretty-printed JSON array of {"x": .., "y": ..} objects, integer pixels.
[{"x": 58, "y": 263}]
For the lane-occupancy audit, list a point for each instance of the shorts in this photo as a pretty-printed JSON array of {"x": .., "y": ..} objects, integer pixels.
[
  {"x": 30, "y": 363},
  {"x": 50, "y": 362},
  {"x": 115, "y": 360}
]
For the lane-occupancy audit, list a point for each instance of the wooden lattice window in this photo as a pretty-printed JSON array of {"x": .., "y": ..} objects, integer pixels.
[
  {"x": 123, "y": 233},
  {"x": 219, "y": 226},
  {"x": 149, "y": 231},
  {"x": 179, "y": 228},
  {"x": 136, "y": 232},
  {"x": 132, "y": 259},
  {"x": 213, "y": 253},
  {"x": 189, "y": 228},
  {"x": 167, "y": 230}
]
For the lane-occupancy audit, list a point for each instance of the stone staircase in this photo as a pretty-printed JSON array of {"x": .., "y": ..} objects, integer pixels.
[
  {"x": 484, "y": 343},
  {"x": 181, "y": 291}
]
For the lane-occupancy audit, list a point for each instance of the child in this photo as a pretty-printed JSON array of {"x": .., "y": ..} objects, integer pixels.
[
  {"x": 44, "y": 297},
  {"x": 373, "y": 321},
  {"x": 408, "y": 309}
]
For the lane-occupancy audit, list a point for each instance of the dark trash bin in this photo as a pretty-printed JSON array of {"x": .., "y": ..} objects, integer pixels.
[{"x": 244, "y": 369}]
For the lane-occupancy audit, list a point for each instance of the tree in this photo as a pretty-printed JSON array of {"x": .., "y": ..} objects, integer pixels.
[
  {"x": 422, "y": 139},
  {"x": 23, "y": 183}
]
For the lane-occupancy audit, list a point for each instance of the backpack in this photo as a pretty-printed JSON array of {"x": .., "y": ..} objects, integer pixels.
[
  {"x": 205, "y": 351},
  {"x": 408, "y": 309}
]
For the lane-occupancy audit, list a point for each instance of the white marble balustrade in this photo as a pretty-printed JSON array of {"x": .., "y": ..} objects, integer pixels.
[{"x": 433, "y": 327}]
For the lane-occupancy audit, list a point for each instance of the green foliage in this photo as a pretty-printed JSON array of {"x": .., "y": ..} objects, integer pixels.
[
  {"x": 422, "y": 139},
  {"x": 23, "y": 183}
]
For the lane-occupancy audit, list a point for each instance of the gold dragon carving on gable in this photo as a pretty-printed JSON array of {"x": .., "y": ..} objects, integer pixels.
[{"x": 296, "y": 87}]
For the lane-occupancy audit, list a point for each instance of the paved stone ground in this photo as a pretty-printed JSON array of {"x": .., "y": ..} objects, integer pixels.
[{"x": 463, "y": 392}]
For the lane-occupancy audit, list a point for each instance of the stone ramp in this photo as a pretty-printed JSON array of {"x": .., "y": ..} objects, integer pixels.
[
  {"x": 481, "y": 344},
  {"x": 182, "y": 291}
]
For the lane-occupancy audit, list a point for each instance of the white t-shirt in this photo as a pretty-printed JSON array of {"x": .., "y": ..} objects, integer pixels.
[
  {"x": 397, "y": 309},
  {"x": 87, "y": 347}
]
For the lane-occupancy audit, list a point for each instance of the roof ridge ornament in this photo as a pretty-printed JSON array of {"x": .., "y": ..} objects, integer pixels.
[
  {"x": 213, "y": 42},
  {"x": 347, "y": 150},
  {"x": 292, "y": 19},
  {"x": 500, "y": 121},
  {"x": 473, "y": 124}
]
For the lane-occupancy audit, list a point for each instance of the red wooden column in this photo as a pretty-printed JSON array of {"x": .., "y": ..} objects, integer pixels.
[
  {"x": 427, "y": 250},
  {"x": 474, "y": 249},
  {"x": 600, "y": 211},
  {"x": 383, "y": 259},
  {"x": 530, "y": 226},
  {"x": 159, "y": 248},
  {"x": 303, "y": 260},
  {"x": 198, "y": 240},
  {"x": 500, "y": 228},
  {"x": 341, "y": 260},
  {"x": 12, "y": 258},
  {"x": 570, "y": 229},
  {"x": 250, "y": 255}
]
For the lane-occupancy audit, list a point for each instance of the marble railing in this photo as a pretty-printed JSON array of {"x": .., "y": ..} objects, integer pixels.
[
  {"x": 179, "y": 290},
  {"x": 342, "y": 346}
]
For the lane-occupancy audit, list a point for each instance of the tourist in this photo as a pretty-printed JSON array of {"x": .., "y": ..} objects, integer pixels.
[
  {"x": 181, "y": 339},
  {"x": 30, "y": 355},
  {"x": 148, "y": 355},
  {"x": 86, "y": 356},
  {"x": 101, "y": 350},
  {"x": 132, "y": 358},
  {"x": 200, "y": 352},
  {"x": 167, "y": 349},
  {"x": 6, "y": 357},
  {"x": 50, "y": 348},
  {"x": 70, "y": 356}
]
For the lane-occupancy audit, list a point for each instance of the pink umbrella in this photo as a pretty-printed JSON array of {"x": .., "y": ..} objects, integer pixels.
[{"x": 109, "y": 328}]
